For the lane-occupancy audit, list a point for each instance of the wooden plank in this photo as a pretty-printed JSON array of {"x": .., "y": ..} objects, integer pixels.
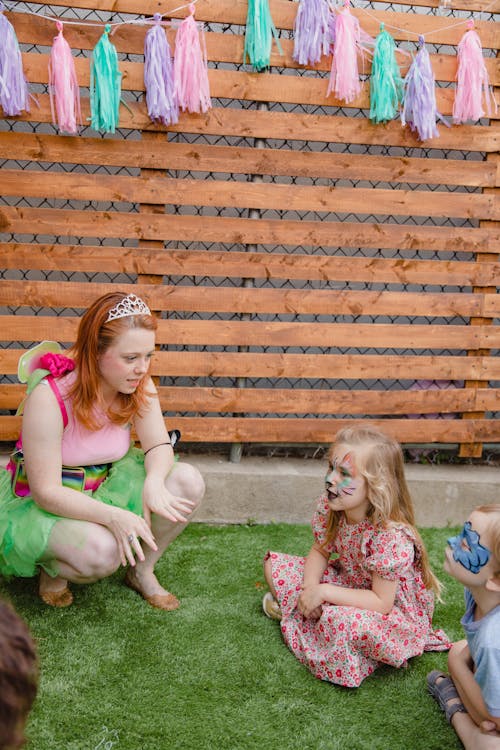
[
  {"x": 259, "y": 265},
  {"x": 255, "y": 333},
  {"x": 249, "y": 123},
  {"x": 226, "y": 48},
  {"x": 303, "y": 430},
  {"x": 403, "y": 26},
  {"x": 228, "y": 84},
  {"x": 228, "y": 12},
  {"x": 224, "y": 159},
  {"x": 60, "y": 294},
  {"x": 99, "y": 187},
  {"x": 300, "y": 401},
  {"x": 206, "y": 229},
  {"x": 219, "y": 193},
  {"x": 303, "y": 366}
]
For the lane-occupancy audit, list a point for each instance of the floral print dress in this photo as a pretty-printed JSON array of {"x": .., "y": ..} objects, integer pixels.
[{"x": 347, "y": 643}]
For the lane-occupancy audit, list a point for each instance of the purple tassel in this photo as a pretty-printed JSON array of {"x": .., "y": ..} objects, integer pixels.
[
  {"x": 14, "y": 96},
  {"x": 419, "y": 108},
  {"x": 311, "y": 32},
  {"x": 159, "y": 76}
]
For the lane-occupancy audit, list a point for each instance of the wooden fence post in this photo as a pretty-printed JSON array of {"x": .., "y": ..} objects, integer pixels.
[
  {"x": 236, "y": 450},
  {"x": 155, "y": 208}
]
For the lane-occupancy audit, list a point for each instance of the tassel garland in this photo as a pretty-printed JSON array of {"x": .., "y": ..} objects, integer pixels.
[
  {"x": 192, "y": 88},
  {"x": 348, "y": 39},
  {"x": 63, "y": 85},
  {"x": 159, "y": 76},
  {"x": 260, "y": 30},
  {"x": 419, "y": 108},
  {"x": 311, "y": 32},
  {"x": 14, "y": 96},
  {"x": 386, "y": 84},
  {"x": 105, "y": 85},
  {"x": 472, "y": 80}
]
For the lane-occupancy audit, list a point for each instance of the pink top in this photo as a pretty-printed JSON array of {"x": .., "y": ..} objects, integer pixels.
[{"x": 82, "y": 447}]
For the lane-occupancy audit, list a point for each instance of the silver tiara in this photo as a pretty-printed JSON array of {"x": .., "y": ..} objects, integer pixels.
[{"x": 131, "y": 305}]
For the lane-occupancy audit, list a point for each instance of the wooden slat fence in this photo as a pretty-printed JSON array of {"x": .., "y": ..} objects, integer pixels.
[{"x": 309, "y": 268}]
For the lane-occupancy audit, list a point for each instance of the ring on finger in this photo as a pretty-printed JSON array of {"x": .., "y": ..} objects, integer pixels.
[{"x": 131, "y": 538}]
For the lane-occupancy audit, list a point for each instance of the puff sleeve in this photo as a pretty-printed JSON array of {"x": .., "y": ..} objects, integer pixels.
[{"x": 390, "y": 553}]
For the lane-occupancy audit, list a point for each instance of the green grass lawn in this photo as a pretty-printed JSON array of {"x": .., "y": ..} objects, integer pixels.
[{"x": 118, "y": 675}]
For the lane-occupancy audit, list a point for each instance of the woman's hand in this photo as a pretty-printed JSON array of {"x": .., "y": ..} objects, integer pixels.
[
  {"x": 128, "y": 528},
  {"x": 310, "y": 601},
  {"x": 157, "y": 499}
]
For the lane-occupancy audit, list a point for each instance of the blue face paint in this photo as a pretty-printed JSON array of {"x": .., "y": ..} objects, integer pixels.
[{"x": 467, "y": 550}]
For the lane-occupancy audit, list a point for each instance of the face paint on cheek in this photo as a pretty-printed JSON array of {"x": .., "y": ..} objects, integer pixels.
[
  {"x": 348, "y": 486},
  {"x": 349, "y": 464},
  {"x": 467, "y": 549}
]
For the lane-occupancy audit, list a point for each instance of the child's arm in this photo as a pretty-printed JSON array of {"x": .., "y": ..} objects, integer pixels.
[
  {"x": 380, "y": 598},
  {"x": 314, "y": 567},
  {"x": 461, "y": 668}
]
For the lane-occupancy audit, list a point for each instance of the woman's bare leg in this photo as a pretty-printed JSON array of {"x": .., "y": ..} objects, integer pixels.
[
  {"x": 184, "y": 481},
  {"x": 80, "y": 552}
]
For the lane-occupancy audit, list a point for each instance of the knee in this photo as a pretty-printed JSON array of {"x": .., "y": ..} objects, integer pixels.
[
  {"x": 101, "y": 557},
  {"x": 188, "y": 483}
]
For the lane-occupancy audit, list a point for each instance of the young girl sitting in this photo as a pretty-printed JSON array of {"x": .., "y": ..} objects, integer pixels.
[{"x": 373, "y": 603}]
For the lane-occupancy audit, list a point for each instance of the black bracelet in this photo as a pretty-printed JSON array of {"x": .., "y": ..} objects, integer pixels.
[{"x": 155, "y": 446}]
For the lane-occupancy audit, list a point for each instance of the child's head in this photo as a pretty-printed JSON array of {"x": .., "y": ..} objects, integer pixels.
[
  {"x": 18, "y": 677},
  {"x": 473, "y": 556},
  {"x": 365, "y": 458},
  {"x": 367, "y": 466}
]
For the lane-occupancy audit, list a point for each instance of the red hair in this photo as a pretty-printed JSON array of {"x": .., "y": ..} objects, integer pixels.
[{"x": 94, "y": 337}]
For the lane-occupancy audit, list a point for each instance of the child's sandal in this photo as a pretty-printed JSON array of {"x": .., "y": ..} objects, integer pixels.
[
  {"x": 271, "y": 607},
  {"x": 443, "y": 690}
]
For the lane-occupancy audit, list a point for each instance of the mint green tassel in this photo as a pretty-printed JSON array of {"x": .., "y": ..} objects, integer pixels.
[
  {"x": 386, "y": 84},
  {"x": 260, "y": 30},
  {"x": 105, "y": 85}
]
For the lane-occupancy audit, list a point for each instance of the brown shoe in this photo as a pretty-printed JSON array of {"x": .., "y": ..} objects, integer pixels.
[
  {"x": 165, "y": 601},
  {"x": 61, "y": 598}
]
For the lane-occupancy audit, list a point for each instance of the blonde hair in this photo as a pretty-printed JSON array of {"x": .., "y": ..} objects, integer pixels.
[
  {"x": 493, "y": 530},
  {"x": 380, "y": 461}
]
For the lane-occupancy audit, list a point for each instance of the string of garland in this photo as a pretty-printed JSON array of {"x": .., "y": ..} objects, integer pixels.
[{"x": 182, "y": 82}]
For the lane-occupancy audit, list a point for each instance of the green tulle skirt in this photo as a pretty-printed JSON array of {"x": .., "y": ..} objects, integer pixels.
[{"x": 25, "y": 528}]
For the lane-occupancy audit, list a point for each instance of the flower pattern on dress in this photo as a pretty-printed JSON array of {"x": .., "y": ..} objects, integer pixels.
[{"x": 347, "y": 643}]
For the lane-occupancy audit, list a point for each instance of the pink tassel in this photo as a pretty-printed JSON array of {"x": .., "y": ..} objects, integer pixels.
[
  {"x": 63, "y": 86},
  {"x": 472, "y": 80},
  {"x": 348, "y": 40},
  {"x": 190, "y": 67}
]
